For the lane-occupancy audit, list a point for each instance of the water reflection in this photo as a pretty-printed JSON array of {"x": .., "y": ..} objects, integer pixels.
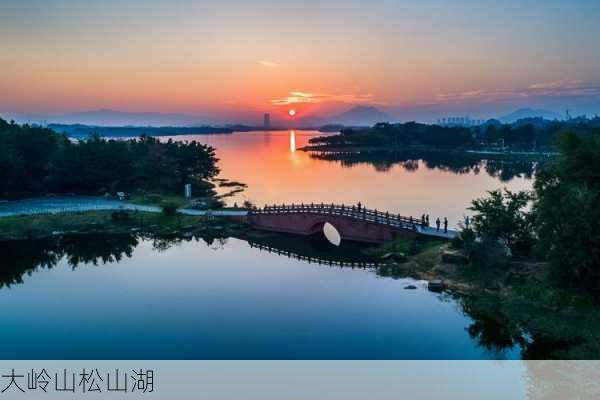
[
  {"x": 25, "y": 257},
  {"x": 217, "y": 299},
  {"x": 292, "y": 141},
  {"x": 492, "y": 330},
  {"x": 316, "y": 249},
  {"x": 503, "y": 167}
]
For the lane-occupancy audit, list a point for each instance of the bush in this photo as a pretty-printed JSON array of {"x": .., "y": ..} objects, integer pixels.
[
  {"x": 503, "y": 215},
  {"x": 467, "y": 236},
  {"x": 120, "y": 215},
  {"x": 457, "y": 242},
  {"x": 248, "y": 205},
  {"x": 487, "y": 255},
  {"x": 154, "y": 198},
  {"x": 169, "y": 208}
]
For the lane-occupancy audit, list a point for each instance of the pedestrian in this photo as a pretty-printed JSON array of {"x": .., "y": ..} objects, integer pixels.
[
  {"x": 437, "y": 224},
  {"x": 427, "y": 220},
  {"x": 445, "y": 225},
  {"x": 467, "y": 222},
  {"x": 359, "y": 206},
  {"x": 423, "y": 220}
]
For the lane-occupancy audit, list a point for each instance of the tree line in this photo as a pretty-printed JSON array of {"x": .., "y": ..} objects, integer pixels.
[
  {"x": 526, "y": 134},
  {"x": 559, "y": 221},
  {"x": 36, "y": 161}
]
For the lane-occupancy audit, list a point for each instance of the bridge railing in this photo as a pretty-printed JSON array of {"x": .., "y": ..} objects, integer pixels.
[
  {"x": 355, "y": 212},
  {"x": 315, "y": 260}
]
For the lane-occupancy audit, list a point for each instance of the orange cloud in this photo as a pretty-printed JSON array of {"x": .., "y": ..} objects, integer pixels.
[
  {"x": 268, "y": 64},
  {"x": 297, "y": 97},
  {"x": 544, "y": 89}
]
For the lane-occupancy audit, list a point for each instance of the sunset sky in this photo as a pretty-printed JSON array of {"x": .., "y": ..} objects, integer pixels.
[{"x": 233, "y": 60}]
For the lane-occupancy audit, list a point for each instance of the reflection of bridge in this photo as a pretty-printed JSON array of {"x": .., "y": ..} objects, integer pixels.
[
  {"x": 311, "y": 259},
  {"x": 352, "y": 222}
]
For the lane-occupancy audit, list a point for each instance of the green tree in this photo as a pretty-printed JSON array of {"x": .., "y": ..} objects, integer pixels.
[
  {"x": 567, "y": 212},
  {"x": 37, "y": 161},
  {"x": 503, "y": 215}
]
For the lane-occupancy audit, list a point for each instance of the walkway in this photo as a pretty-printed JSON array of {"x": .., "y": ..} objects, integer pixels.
[{"x": 55, "y": 205}]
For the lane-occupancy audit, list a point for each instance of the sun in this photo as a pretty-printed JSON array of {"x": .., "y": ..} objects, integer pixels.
[{"x": 291, "y": 112}]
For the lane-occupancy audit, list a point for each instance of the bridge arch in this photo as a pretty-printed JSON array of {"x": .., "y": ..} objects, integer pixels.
[{"x": 351, "y": 223}]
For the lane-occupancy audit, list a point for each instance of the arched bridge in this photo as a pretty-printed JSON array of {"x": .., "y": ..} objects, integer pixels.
[{"x": 352, "y": 222}]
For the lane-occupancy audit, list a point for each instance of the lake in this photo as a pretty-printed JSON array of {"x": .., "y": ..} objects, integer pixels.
[
  {"x": 121, "y": 297},
  {"x": 128, "y": 297},
  {"x": 277, "y": 172}
]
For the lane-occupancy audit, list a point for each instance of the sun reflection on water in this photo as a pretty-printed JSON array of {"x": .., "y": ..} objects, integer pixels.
[{"x": 292, "y": 141}]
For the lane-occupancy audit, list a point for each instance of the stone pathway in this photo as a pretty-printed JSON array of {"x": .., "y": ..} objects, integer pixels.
[{"x": 56, "y": 205}]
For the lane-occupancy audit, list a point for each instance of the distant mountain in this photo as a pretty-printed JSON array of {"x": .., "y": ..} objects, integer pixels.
[
  {"x": 529, "y": 113},
  {"x": 360, "y": 115},
  {"x": 106, "y": 117}
]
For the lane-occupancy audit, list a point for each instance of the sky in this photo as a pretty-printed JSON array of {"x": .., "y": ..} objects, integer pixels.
[{"x": 234, "y": 60}]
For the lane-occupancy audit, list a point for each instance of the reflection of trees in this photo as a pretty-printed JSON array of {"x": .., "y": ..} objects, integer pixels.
[
  {"x": 507, "y": 170},
  {"x": 501, "y": 323},
  {"x": 97, "y": 248},
  {"x": 27, "y": 256},
  {"x": 492, "y": 329},
  {"x": 161, "y": 244},
  {"x": 502, "y": 166}
]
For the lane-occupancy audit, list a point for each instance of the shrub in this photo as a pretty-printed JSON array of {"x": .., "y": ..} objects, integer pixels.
[
  {"x": 169, "y": 208},
  {"x": 457, "y": 242},
  {"x": 120, "y": 215},
  {"x": 503, "y": 215}
]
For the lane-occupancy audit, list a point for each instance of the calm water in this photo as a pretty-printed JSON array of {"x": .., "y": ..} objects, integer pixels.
[
  {"x": 105, "y": 297},
  {"x": 226, "y": 300},
  {"x": 276, "y": 172}
]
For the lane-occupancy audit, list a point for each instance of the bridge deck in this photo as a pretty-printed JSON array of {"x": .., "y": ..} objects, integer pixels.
[
  {"x": 357, "y": 213},
  {"x": 430, "y": 231}
]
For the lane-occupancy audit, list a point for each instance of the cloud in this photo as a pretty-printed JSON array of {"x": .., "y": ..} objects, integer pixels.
[
  {"x": 563, "y": 88},
  {"x": 268, "y": 64},
  {"x": 296, "y": 97},
  {"x": 555, "y": 85}
]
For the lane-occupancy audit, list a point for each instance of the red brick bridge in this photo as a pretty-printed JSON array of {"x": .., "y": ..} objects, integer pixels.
[{"x": 352, "y": 222}]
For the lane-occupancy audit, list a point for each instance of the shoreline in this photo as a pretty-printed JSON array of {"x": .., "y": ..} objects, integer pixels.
[
  {"x": 39, "y": 226},
  {"x": 520, "y": 294},
  {"x": 333, "y": 149}
]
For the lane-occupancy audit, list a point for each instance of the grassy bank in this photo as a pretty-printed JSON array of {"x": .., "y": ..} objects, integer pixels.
[
  {"x": 515, "y": 305},
  {"x": 420, "y": 258},
  {"x": 46, "y": 225}
]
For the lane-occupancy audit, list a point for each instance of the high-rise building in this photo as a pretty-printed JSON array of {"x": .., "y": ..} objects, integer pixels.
[
  {"x": 267, "y": 120},
  {"x": 466, "y": 122}
]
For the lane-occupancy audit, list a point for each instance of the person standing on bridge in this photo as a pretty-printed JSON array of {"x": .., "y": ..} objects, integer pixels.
[
  {"x": 423, "y": 220},
  {"x": 359, "y": 206},
  {"x": 445, "y": 225},
  {"x": 427, "y": 220},
  {"x": 437, "y": 224}
]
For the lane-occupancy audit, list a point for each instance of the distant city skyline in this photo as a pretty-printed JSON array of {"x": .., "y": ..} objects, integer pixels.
[{"x": 234, "y": 61}]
